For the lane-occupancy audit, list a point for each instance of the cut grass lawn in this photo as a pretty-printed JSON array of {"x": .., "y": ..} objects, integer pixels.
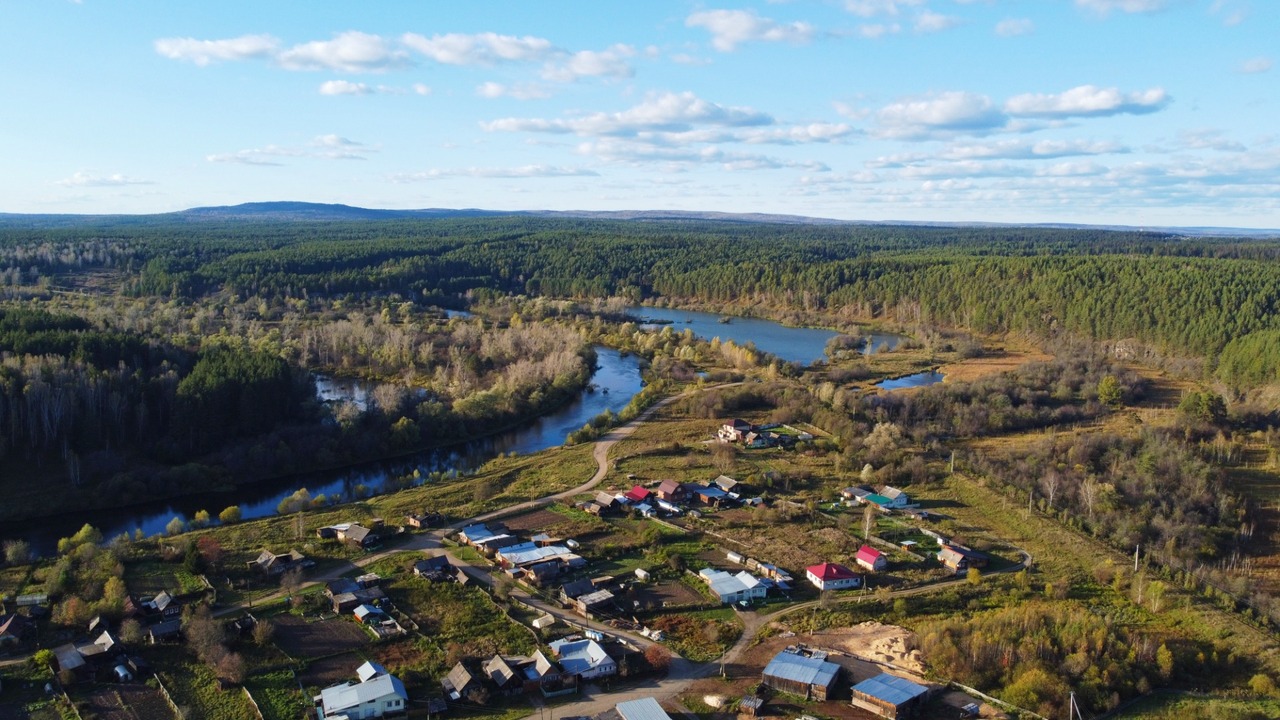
[{"x": 277, "y": 695}]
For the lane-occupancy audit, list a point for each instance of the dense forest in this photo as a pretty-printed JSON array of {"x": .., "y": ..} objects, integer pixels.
[
  {"x": 183, "y": 351},
  {"x": 1180, "y": 296}
]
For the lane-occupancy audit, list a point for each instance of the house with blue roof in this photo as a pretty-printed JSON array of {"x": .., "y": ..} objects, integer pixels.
[
  {"x": 890, "y": 696},
  {"x": 812, "y": 678}
]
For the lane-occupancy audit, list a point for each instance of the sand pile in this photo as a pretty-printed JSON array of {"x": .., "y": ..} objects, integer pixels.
[{"x": 879, "y": 642}]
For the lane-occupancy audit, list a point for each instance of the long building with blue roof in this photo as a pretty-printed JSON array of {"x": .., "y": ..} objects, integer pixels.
[{"x": 890, "y": 696}]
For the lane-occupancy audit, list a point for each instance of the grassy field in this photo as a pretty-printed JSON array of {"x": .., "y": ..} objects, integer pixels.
[
  {"x": 194, "y": 688},
  {"x": 1170, "y": 706},
  {"x": 277, "y": 695}
]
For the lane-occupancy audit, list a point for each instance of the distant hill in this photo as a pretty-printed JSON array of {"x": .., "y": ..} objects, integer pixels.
[{"x": 320, "y": 212}]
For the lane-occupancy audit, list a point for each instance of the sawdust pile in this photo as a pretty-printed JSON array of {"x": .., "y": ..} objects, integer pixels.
[{"x": 878, "y": 642}]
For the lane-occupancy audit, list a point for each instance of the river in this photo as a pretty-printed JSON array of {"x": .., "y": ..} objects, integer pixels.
[
  {"x": 615, "y": 381},
  {"x": 793, "y": 344}
]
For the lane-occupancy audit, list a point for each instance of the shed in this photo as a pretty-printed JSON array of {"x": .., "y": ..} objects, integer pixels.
[
  {"x": 808, "y": 677},
  {"x": 871, "y": 558},
  {"x": 889, "y": 696},
  {"x": 642, "y": 709},
  {"x": 642, "y": 575}
]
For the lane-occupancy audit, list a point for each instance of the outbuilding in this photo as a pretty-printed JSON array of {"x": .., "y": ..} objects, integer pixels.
[
  {"x": 809, "y": 677},
  {"x": 889, "y": 696}
]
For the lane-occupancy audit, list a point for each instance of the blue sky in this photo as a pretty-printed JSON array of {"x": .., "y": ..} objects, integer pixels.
[{"x": 1138, "y": 112}]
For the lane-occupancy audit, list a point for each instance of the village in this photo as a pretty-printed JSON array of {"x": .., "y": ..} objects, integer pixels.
[{"x": 638, "y": 588}]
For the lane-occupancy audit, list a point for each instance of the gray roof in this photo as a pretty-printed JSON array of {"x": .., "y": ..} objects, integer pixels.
[
  {"x": 69, "y": 657},
  {"x": 891, "y": 688},
  {"x": 801, "y": 669},
  {"x": 499, "y": 670},
  {"x": 642, "y": 709},
  {"x": 579, "y": 656},
  {"x": 577, "y": 587},
  {"x": 349, "y": 695},
  {"x": 370, "y": 670}
]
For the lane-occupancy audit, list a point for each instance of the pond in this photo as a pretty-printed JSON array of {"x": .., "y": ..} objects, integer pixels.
[
  {"x": 615, "y": 381},
  {"x": 793, "y": 344},
  {"x": 920, "y": 379}
]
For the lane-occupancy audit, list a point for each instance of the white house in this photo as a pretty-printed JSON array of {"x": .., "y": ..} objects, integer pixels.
[
  {"x": 583, "y": 658},
  {"x": 832, "y": 576},
  {"x": 896, "y": 497},
  {"x": 376, "y": 694},
  {"x": 732, "y": 588}
]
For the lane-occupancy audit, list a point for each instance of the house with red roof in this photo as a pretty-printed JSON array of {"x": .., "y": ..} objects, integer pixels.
[
  {"x": 832, "y": 576},
  {"x": 871, "y": 558},
  {"x": 637, "y": 495}
]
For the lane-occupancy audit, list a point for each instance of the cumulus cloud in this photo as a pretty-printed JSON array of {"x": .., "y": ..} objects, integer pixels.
[
  {"x": 519, "y": 92},
  {"x": 206, "y": 52},
  {"x": 351, "y": 51},
  {"x": 1255, "y": 65},
  {"x": 629, "y": 151},
  {"x": 874, "y": 31},
  {"x": 730, "y": 28},
  {"x": 480, "y": 48},
  {"x": 611, "y": 63},
  {"x": 1013, "y": 27},
  {"x": 1106, "y": 7},
  {"x": 1087, "y": 101},
  {"x": 524, "y": 171},
  {"x": 873, "y": 8},
  {"x": 344, "y": 87},
  {"x": 670, "y": 112},
  {"x": 1028, "y": 150},
  {"x": 82, "y": 179},
  {"x": 948, "y": 111},
  {"x": 931, "y": 22}
]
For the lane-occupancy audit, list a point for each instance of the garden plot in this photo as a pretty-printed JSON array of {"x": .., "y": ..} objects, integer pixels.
[
  {"x": 331, "y": 670},
  {"x": 126, "y": 702},
  {"x": 320, "y": 638}
]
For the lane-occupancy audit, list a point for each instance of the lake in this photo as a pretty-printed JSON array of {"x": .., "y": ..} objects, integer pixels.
[
  {"x": 920, "y": 379},
  {"x": 798, "y": 345}
]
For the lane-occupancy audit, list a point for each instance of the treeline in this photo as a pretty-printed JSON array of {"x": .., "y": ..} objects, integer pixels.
[
  {"x": 1035, "y": 654},
  {"x": 1184, "y": 296},
  {"x": 1151, "y": 491}
]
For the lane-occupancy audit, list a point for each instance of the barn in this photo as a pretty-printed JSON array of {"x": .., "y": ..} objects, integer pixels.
[{"x": 809, "y": 677}]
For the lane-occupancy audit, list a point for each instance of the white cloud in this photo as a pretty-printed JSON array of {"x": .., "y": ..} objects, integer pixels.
[
  {"x": 344, "y": 87},
  {"x": 591, "y": 63},
  {"x": 797, "y": 134},
  {"x": 421, "y": 89},
  {"x": 519, "y": 92},
  {"x": 351, "y": 51},
  {"x": 1027, "y": 150},
  {"x": 1255, "y": 65},
  {"x": 948, "y": 111},
  {"x": 1087, "y": 101},
  {"x": 676, "y": 159},
  {"x": 479, "y": 49},
  {"x": 872, "y": 8},
  {"x": 1013, "y": 27},
  {"x": 873, "y": 31},
  {"x": 1105, "y": 7},
  {"x": 931, "y": 22},
  {"x": 525, "y": 171},
  {"x": 730, "y": 28},
  {"x": 206, "y": 52},
  {"x": 82, "y": 179},
  {"x": 325, "y": 147},
  {"x": 1233, "y": 12},
  {"x": 671, "y": 112}
]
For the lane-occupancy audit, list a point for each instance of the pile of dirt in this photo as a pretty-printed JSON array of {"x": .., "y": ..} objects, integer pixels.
[{"x": 879, "y": 643}]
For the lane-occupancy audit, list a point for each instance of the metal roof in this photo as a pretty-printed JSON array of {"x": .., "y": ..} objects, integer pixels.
[
  {"x": 642, "y": 709},
  {"x": 798, "y": 668},
  {"x": 890, "y": 688},
  {"x": 579, "y": 656},
  {"x": 349, "y": 695}
]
